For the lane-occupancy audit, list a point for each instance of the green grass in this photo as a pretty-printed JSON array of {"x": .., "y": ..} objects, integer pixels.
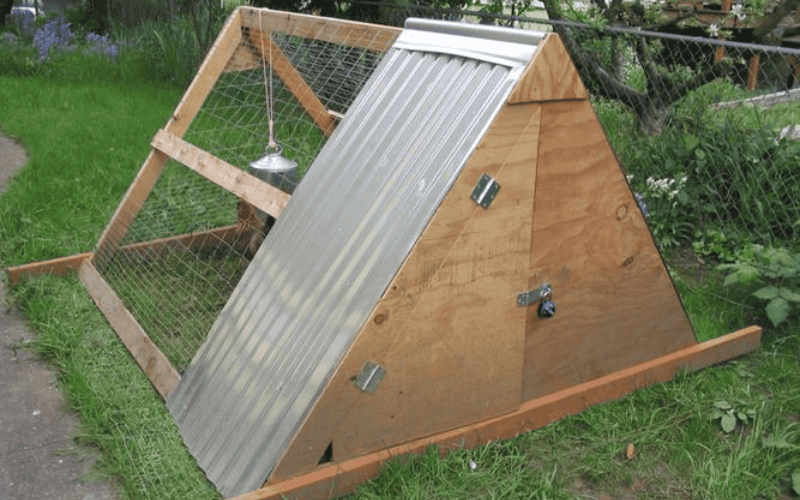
[
  {"x": 87, "y": 140},
  {"x": 120, "y": 412}
]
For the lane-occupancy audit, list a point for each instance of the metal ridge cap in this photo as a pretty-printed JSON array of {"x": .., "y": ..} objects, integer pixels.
[
  {"x": 483, "y": 31},
  {"x": 503, "y": 52}
]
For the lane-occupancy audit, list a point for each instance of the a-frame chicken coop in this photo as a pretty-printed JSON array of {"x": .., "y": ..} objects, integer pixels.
[{"x": 462, "y": 261}]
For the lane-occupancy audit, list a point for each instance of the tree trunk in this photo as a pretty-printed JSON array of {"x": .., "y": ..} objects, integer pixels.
[
  {"x": 5, "y": 10},
  {"x": 652, "y": 117}
]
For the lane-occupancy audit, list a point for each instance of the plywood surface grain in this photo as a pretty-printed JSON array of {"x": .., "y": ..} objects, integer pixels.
[
  {"x": 550, "y": 75},
  {"x": 448, "y": 330},
  {"x": 616, "y": 304}
]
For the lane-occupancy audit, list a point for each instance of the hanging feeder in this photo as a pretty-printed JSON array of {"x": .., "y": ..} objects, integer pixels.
[
  {"x": 273, "y": 167},
  {"x": 276, "y": 169}
]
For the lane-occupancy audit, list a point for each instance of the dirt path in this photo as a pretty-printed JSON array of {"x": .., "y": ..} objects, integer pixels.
[{"x": 38, "y": 458}]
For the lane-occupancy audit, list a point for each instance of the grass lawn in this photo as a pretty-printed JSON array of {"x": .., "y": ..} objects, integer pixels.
[{"x": 86, "y": 142}]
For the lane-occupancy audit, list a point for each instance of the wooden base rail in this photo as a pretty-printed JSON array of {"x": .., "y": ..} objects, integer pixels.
[{"x": 338, "y": 479}]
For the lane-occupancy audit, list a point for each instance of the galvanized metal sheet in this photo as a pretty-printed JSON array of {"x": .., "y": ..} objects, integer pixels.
[{"x": 321, "y": 270}]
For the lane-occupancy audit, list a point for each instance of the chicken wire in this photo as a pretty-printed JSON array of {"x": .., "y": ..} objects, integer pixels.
[{"x": 191, "y": 240}]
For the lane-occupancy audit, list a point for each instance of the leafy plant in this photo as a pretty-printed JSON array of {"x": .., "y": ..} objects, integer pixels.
[
  {"x": 719, "y": 244},
  {"x": 773, "y": 275},
  {"x": 729, "y": 416},
  {"x": 704, "y": 174}
]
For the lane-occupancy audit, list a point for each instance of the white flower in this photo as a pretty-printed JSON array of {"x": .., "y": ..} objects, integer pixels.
[
  {"x": 472, "y": 464},
  {"x": 713, "y": 30},
  {"x": 737, "y": 11},
  {"x": 666, "y": 187}
]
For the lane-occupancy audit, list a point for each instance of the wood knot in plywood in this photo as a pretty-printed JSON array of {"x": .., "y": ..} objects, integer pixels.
[
  {"x": 380, "y": 318},
  {"x": 628, "y": 262},
  {"x": 622, "y": 211}
]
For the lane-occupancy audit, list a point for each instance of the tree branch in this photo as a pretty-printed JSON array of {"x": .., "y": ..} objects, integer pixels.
[{"x": 769, "y": 22}]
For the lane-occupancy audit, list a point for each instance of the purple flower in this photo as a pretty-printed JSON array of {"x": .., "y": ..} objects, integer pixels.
[
  {"x": 101, "y": 43},
  {"x": 642, "y": 204},
  {"x": 10, "y": 38},
  {"x": 24, "y": 19},
  {"x": 53, "y": 34}
]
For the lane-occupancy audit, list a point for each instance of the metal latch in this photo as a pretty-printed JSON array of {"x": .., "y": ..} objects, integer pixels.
[
  {"x": 370, "y": 377},
  {"x": 485, "y": 191},
  {"x": 527, "y": 298},
  {"x": 543, "y": 295}
]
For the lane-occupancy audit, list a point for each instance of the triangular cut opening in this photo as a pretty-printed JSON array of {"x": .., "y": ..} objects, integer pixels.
[{"x": 327, "y": 456}]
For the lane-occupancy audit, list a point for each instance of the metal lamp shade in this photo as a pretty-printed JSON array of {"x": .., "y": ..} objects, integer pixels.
[{"x": 275, "y": 169}]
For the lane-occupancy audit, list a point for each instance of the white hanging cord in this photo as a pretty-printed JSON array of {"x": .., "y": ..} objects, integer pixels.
[{"x": 268, "y": 88}]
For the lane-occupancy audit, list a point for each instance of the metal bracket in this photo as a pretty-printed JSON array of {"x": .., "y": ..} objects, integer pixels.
[
  {"x": 544, "y": 292},
  {"x": 370, "y": 377},
  {"x": 485, "y": 190}
]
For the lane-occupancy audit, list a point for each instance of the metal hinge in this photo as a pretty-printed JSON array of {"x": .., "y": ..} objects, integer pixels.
[
  {"x": 370, "y": 377},
  {"x": 485, "y": 191}
]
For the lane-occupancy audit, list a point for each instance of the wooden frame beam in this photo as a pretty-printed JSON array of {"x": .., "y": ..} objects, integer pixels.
[
  {"x": 354, "y": 34},
  {"x": 154, "y": 363},
  {"x": 337, "y": 479},
  {"x": 294, "y": 81},
  {"x": 233, "y": 179},
  {"x": 187, "y": 109}
]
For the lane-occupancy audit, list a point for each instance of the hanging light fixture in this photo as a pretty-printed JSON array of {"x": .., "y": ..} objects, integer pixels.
[{"x": 272, "y": 167}]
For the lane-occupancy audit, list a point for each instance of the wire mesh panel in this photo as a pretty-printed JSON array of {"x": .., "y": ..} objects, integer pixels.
[
  {"x": 184, "y": 247},
  {"x": 182, "y": 256}
]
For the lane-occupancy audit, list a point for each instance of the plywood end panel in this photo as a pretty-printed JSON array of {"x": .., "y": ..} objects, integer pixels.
[
  {"x": 550, "y": 75},
  {"x": 448, "y": 330},
  {"x": 616, "y": 304}
]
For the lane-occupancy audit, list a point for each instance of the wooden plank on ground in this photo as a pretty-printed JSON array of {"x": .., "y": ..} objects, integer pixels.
[
  {"x": 616, "y": 304},
  {"x": 201, "y": 239},
  {"x": 329, "y": 481},
  {"x": 60, "y": 267},
  {"x": 247, "y": 187},
  {"x": 448, "y": 330},
  {"x": 351, "y": 33},
  {"x": 293, "y": 80},
  {"x": 154, "y": 363}
]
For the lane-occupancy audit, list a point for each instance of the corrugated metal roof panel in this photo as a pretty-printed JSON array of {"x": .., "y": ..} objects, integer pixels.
[{"x": 343, "y": 236}]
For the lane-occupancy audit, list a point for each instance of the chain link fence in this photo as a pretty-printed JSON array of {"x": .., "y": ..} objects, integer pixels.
[{"x": 706, "y": 129}]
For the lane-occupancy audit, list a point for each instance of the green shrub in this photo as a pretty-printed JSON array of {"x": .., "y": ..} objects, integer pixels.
[
  {"x": 770, "y": 276},
  {"x": 716, "y": 174}
]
